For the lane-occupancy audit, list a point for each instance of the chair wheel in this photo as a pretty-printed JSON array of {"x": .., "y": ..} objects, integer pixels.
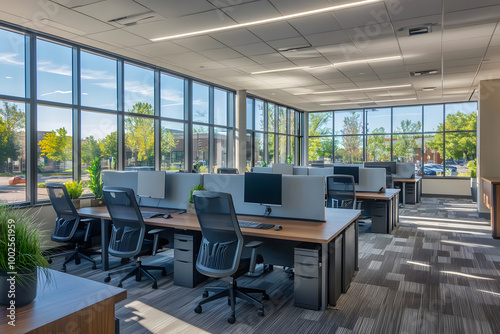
[
  {"x": 260, "y": 312},
  {"x": 137, "y": 278},
  {"x": 120, "y": 285},
  {"x": 265, "y": 296},
  {"x": 231, "y": 319},
  {"x": 78, "y": 261},
  {"x": 94, "y": 266},
  {"x": 155, "y": 285},
  {"x": 49, "y": 261},
  {"x": 164, "y": 272},
  {"x": 107, "y": 279},
  {"x": 63, "y": 269},
  {"x": 198, "y": 309},
  {"x": 205, "y": 294}
]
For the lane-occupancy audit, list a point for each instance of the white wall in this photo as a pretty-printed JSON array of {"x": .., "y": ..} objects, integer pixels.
[
  {"x": 47, "y": 216},
  {"x": 454, "y": 187}
]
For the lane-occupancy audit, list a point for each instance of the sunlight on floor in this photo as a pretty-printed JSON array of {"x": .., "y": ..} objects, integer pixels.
[
  {"x": 490, "y": 292},
  {"x": 418, "y": 264},
  {"x": 466, "y": 244},
  {"x": 451, "y": 225},
  {"x": 446, "y": 230},
  {"x": 157, "y": 321},
  {"x": 467, "y": 275}
]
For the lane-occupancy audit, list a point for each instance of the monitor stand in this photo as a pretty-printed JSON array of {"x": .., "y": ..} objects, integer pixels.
[{"x": 268, "y": 211}]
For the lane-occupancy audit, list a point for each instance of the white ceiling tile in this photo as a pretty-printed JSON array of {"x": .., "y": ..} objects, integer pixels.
[
  {"x": 362, "y": 15},
  {"x": 268, "y": 58},
  {"x": 76, "y": 3},
  {"x": 407, "y": 9},
  {"x": 112, "y": 9},
  {"x": 319, "y": 61},
  {"x": 199, "y": 43},
  {"x": 172, "y": 9},
  {"x": 417, "y": 59},
  {"x": 328, "y": 38},
  {"x": 237, "y": 62},
  {"x": 220, "y": 54},
  {"x": 119, "y": 37},
  {"x": 459, "y": 33},
  {"x": 289, "y": 43},
  {"x": 462, "y": 62},
  {"x": 459, "y": 54},
  {"x": 470, "y": 70},
  {"x": 455, "y": 5},
  {"x": 236, "y": 37},
  {"x": 473, "y": 16},
  {"x": 252, "y": 11},
  {"x": 162, "y": 49},
  {"x": 254, "y": 49},
  {"x": 274, "y": 31},
  {"x": 315, "y": 24}
]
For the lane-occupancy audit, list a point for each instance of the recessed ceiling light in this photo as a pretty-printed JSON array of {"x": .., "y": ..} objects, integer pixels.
[
  {"x": 372, "y": 60},
  {"x": 274, "y": 19},
  {"x": 353, "y": 90},
  {"x": 354, "y": 102}
]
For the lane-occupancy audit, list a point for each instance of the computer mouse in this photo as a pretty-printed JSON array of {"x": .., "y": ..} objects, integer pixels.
[
  {"x": 167, "y": 216},
  {"x": 278, "y": 227}
]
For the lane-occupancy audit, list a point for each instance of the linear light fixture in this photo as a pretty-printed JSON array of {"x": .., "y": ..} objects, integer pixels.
[
  {"x": 353, "y": 90},
  {"x": 371, "y": 60},
  {"x": 273, "y": 19},
  {"x": 354, "y": 102}
]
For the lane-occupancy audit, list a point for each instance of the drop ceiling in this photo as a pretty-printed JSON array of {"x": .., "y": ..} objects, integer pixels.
[{"x": 462, "y": 45}]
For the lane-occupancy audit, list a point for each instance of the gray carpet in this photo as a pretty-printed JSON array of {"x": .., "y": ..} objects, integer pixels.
[{"x": 438, "y": 272}]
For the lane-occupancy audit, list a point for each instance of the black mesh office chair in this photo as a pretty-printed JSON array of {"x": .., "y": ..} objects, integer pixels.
[
  {"x": 128, "y": 234},
  {"x": 341, "y": 191},
  {"x": 221, "y": 249},
  {"x": 70, "y": 228},
  {"x": 225, "y": 170}
]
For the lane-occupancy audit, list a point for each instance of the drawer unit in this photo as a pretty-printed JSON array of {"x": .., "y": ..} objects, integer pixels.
[
  {"x": 185, "y": 253},
  {"x": 307, "y": 282},
  {"x": 379, "y": 217},
  {"x": 335, "y": 257},
  {"x": 411, "y": 193}
]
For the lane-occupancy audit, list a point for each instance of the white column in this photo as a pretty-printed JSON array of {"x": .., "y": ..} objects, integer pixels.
[
  {"x": 241, "y": 130},
  {"x": 488, "y": 134}
]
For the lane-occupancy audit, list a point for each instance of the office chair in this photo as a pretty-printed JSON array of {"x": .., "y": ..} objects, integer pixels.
[
  {"x": 225, "y": 170},
  {"x": 221, "y": 249},
  {"x": 128, "y": 234},
  {"x": 70, "y": 227},
  {"x": 341, "y": 191}
]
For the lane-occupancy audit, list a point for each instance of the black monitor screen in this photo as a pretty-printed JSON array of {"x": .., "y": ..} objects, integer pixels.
[
  {"x": 390, "y": 166},
  {"x": 347, "y": 170},
  {"x": 263, "y": 188}
]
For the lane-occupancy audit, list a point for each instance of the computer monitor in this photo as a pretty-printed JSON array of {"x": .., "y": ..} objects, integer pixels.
[
  {"x": 263, "y": 189},
  {"x": 390, "y": 166},
  {"x": 151, "y": 184},
  {"x": 347, "y": 170}
]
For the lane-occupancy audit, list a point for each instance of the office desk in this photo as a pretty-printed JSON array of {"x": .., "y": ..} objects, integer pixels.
[
  {"x": 385, "y": 209},
  {"x": 491, "y": 198},
  {"x": 293, "y": 233},
  {"x": 67, "y": 304},
  {"x": 412, "y": 194}
]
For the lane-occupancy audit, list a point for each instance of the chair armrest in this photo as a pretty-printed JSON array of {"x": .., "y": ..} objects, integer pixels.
[
  {"x": 253, "y": 258},
  {"x": 89, "y": 222},
  {"x": 156, "y": 238}
]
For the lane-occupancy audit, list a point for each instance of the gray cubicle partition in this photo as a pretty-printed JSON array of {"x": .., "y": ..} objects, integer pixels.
[
  {"x": 262, "y": 169},
  {"x": 284, "y": 169},
  {"x": 177, "y": 187},
  {"x": 299, "y": 170},
  {"x": 326, "y": 171},
  {"x": 303, "y": 196},
  {"x": 371, "y": 179}
]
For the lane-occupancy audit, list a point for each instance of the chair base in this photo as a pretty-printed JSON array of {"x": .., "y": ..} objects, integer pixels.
[
  {"x": 232, "y": 292},
  {"x": 77, "y": 255},
  {"x": 138, "y": 271}
]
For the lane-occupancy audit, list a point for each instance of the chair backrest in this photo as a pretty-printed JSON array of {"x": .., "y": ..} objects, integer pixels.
[
  {"x": 67, "y": 217},
  {"x": 341, "y": 191},
  {"x": 226, "y": 170},
  {"x": 222, "y": 242},
  {"x": 128, "y": 228}
]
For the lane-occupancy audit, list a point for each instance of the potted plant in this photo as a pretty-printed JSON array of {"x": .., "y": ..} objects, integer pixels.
[
  {"x": 75, "y": 190},
  {"x": 21, "y": 258},
  {"x": 95, "y": 183},
  {"x": 472, "y": 166},
  {"x": 190, "y": 206}
]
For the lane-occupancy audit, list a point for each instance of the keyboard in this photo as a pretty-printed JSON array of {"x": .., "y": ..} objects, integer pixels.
[
  {"x": 149, "y": 214},
  {"x": 245, "y": 223}
]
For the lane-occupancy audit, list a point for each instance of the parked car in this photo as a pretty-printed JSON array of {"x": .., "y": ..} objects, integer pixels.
[{"x": 17, "y": 180}]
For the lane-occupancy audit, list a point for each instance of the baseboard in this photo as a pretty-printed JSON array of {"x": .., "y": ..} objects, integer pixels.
[{"x": 485, "y": 215}]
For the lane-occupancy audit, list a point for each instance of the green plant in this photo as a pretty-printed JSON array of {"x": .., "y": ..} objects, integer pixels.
[
  {"x": 95, "y": 183},
  {"x": 264, "y": 164},
  {"x": 20, "y": 229},
  {"x": 196, "y": 188},
  {"x": 74, "y": 189},
  {"x": 472, "y": 166}
]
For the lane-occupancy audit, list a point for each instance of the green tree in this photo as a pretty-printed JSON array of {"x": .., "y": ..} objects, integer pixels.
[
  {"x": 319, "y": 147},
  {"x": 90, "y": 149},
  {"x": 8, "y": 147},
  {"x": 376, "y": 146},
  {"x": 458, "y": 144},
  {"x": 109, "y": 146},
  {"x": 140, "y": 133},
  {"x": 14, "y": 121},
  {"x": 56, "y": 145},
  {"x": 14, "y": 118},
  {"x": 405, "y": 143},
  {"x": 168, "y": 143},
  {"x": 352, "y": 144}
]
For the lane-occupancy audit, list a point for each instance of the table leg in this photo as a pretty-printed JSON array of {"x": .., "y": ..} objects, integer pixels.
[
  {"x": 404, "y": 193},
  {"x": 324, "y": 276},
  {"x": 104, "y": 244},
  {"x": 356, "y": 246}
]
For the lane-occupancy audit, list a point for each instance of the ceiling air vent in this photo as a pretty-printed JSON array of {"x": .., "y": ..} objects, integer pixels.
[
  {"x": 419, "y": 30},
  {"x": 133, "y": 19},
  {"x": 422, "y": 73}
]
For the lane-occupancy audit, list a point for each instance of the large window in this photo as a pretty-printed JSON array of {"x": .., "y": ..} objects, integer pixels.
[
  {"x": 440, "y": 139},
  {"x": 172, "y": 97},
  {"x": 12, "y": 54},
  {"x": 98, "y": 80},
  {"x": 139, "y": 89},
  {"x": 200, "y": 103},
  {"x": 172, "y": 145}
]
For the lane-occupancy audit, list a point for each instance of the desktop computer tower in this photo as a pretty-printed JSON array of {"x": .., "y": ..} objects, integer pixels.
[{"x": 307, "y": 285}]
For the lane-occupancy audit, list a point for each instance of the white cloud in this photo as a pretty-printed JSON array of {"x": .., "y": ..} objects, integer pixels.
[
  {"x": 139, "y": 88},
  {"x": 57, "y": 92},
  {"x": 172, "y": 95},
  {"x": 9, "y": 58},
  {"x": 49, "y": 67},
  {"x": 96, "y": 75}
]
